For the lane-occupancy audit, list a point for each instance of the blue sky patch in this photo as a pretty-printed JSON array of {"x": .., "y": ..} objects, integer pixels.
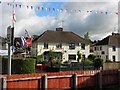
[{"x": 49, "y": 8}]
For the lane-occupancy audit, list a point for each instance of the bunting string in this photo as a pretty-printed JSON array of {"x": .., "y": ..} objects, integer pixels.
[{"x": 53, "y": 9}]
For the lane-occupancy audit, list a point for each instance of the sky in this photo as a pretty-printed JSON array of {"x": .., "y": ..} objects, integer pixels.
[{"x": 97, "y": 18}]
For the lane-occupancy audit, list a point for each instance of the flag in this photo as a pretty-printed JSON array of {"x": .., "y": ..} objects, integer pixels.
[
  {"x": 29, "y": 41},
  {"x": 24, "y": 42},
  {"x": 26, "y": 32},
  {"x": 20, "y": 6},
  {"x": 31, "y": 7},
  {"x": 17, "y": 43},
  {"x": 14, "y": 17},
  {"x": 38, "y": 7}
]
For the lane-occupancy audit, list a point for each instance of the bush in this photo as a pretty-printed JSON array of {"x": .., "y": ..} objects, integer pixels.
[
  {"x": 39, "y": 59},
  {"x": 87, "y": 62},
  {"x": 98, "y": 62},
  {"x": 91, "y": 57},
  {"x": 19, "y": 66}
]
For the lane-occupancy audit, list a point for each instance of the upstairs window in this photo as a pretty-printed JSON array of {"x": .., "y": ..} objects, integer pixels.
[
  {"x": 82, "y": 46},
  {"x": 95, "y": 48},
  {"x": 59, "y": 46},
  {"x": 71, "y": 45},
  {"x": 46, "y": 45},
  {"x": 100, "y": 48},
  {"x": 113, "y": 48}
]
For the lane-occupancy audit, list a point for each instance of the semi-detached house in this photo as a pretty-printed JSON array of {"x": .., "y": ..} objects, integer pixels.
[
  {"x": 108, "y": 48},
  {"x": 67, "y": 43}
]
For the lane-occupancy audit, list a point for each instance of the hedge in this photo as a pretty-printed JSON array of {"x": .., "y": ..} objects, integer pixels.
[{"x": 19, "y": 66}]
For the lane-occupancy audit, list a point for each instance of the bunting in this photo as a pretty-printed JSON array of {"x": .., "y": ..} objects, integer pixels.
[{"x": 53, "y": 9}]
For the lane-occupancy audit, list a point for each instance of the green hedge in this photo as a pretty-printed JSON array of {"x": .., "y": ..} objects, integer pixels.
[{"x": 19, "y": 66}]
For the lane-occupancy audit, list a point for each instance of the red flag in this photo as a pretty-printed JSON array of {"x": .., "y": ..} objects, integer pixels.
[{"x": 29, "y": 42}]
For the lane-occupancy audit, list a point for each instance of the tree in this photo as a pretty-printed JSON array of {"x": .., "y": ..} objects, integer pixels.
[
  {"x": 87, "y": 37},
  {"x": 54, "y": 57}
]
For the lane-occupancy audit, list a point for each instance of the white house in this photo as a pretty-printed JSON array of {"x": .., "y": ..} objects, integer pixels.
[
  {"x": 109, "y": 47},
  {"x": 67, "y": 43}
]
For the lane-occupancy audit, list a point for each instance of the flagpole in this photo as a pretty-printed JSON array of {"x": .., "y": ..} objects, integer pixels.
[
  {"x": 11, "y": 43},
  {"x": 13, "y": 12}
]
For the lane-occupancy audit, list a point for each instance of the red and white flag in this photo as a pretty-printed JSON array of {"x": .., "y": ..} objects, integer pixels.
[
  {"x": 27, "y": 33},
  {"x": 29, "y": 41},
  {"x": 14, "y": 17},
  {"x": 24, "y": 42}
]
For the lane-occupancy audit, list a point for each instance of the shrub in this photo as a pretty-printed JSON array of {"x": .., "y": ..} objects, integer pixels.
[
  {"x": 4, "y": 64},
  {"x": 39, "y": 59},
  {"x": 91, "y": 57},
  {"x": 87, "y": 62},
  {"x": 98, "y": 62},
  {"x": 19, "y": 66}
]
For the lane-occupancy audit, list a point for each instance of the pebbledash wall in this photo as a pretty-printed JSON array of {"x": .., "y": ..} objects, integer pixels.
[{"x": 63, "y": 80}]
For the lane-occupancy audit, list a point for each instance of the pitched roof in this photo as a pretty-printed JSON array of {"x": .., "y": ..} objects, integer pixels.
[
  {"x": 113, "y": 40},
  {"x": 60, "y": 36}
]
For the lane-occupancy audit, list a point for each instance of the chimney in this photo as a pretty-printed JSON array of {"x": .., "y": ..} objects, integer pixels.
[
  {"x": 113, "y": 33},
  {"x": 59, "y": 29}
]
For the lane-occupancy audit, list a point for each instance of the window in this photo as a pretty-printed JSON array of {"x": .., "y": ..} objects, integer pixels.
[
  {"x": 72, "y": 57},
  {"x": 71, "y": 45},
  {"x": 82, "y": 46},
  {"x": 95, "y": 48},
  {"x": 103, "y": 52},
  {"x": 59, "y": 46},
  {"x": 100, "y": 48},
  {"x": 113, "y": 48},
  {"x": 113, "y": 57},
  {"x": 46, "y": 45}
]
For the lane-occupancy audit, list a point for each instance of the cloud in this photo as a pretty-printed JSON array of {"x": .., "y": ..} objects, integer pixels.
[{"x": 97, "y": 25}]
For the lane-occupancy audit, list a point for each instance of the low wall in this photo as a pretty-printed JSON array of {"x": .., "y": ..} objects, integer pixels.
[{"x": 111, "y": 66}]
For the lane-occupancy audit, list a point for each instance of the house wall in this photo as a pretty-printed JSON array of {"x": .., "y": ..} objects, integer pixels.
[
  {"x": 108, "y": 52},
  {"x": 65, "y": 50},
  {"x": 104, "y": 49},
  {"x": 115, "y": 53},
  {"x": 119, "y": 53}
]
